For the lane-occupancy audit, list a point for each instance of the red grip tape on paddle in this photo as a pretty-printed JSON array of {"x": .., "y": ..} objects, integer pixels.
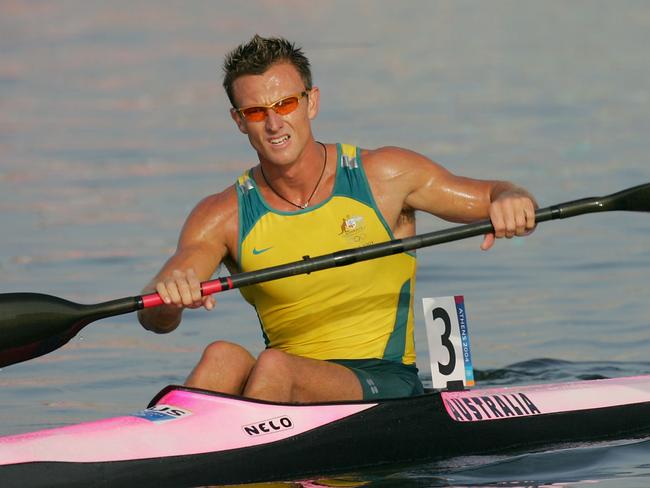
[
  {"x": 215, "y": 286},
  {"x": 207, "y": 288}
]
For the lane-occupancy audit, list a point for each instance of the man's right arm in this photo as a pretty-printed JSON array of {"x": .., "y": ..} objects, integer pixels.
[{"x": 203, "y": 244}]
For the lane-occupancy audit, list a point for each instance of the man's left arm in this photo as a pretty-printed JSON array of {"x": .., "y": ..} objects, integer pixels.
[{"x": 427, "y": 186}]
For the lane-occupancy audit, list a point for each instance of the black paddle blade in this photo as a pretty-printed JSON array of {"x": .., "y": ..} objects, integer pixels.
[
  {"x": 32, "y": 324},
  {"x": 636, "y": 199}
]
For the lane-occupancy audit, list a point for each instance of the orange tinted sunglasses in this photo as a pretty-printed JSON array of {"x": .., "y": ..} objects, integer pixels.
[{"x": 284, "y": 106}]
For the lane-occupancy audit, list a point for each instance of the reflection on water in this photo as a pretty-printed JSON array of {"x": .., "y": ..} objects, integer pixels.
[
  {"x": 113, "y": 125},
  {"x": 343, "y": 482}
]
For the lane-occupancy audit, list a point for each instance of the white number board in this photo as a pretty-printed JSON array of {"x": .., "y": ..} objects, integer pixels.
[{"x": 448, "y": 338}]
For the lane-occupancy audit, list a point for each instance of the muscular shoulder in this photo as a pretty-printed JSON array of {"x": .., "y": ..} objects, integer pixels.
[
  {"x": 395, "y": 175},
  {"x": 402, "y": 169},
  {"x": 213, "y": 222},
  {"x": 218, "y": 204}
]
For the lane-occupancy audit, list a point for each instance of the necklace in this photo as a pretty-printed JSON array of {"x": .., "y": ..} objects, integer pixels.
[{"x": 306, "y": 204}]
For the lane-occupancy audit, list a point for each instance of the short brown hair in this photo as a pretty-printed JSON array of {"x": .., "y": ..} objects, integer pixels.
[{"x": 258, "y": 55}]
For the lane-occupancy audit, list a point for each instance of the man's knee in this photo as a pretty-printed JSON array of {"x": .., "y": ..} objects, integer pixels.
[
  {"x": 226, "y": 351},
  {"x": 272, "y": 361},
  {"x": 224, "y": 367}
]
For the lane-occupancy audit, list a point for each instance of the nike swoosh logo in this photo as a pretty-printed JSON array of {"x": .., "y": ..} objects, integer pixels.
[{"x": 260, "y": 251}]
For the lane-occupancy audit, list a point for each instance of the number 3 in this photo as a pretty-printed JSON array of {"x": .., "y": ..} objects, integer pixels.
[{"x": 445, "y": 369}]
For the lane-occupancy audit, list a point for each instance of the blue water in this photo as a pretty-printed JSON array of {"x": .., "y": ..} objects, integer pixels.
[{"x": 113, "y": 125}]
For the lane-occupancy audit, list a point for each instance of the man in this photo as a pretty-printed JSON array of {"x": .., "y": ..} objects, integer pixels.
[{"x": 339, "y": 334}]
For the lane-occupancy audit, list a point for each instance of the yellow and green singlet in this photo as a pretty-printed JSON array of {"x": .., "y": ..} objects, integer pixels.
[{"x": 359, "y": 311}]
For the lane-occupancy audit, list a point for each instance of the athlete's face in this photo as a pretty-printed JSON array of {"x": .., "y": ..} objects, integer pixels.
[{"x": 278, "y": 139}]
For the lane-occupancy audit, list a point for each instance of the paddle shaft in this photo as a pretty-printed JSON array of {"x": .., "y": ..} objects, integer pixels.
[{"x": 636, "y": 198}]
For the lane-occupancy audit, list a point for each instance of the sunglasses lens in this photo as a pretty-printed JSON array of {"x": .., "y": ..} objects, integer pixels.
[
  {"x": 282, "y": 107},
  {"x": 286, "y": 106},
  {"x": 255, "y": 114}
]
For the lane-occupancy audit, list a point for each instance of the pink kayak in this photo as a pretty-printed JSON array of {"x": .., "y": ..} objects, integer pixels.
[{"x": 189, "y": 437}]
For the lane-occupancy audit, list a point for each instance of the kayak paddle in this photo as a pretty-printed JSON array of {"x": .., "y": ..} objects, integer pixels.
[{"x": 34, "y": 324}]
